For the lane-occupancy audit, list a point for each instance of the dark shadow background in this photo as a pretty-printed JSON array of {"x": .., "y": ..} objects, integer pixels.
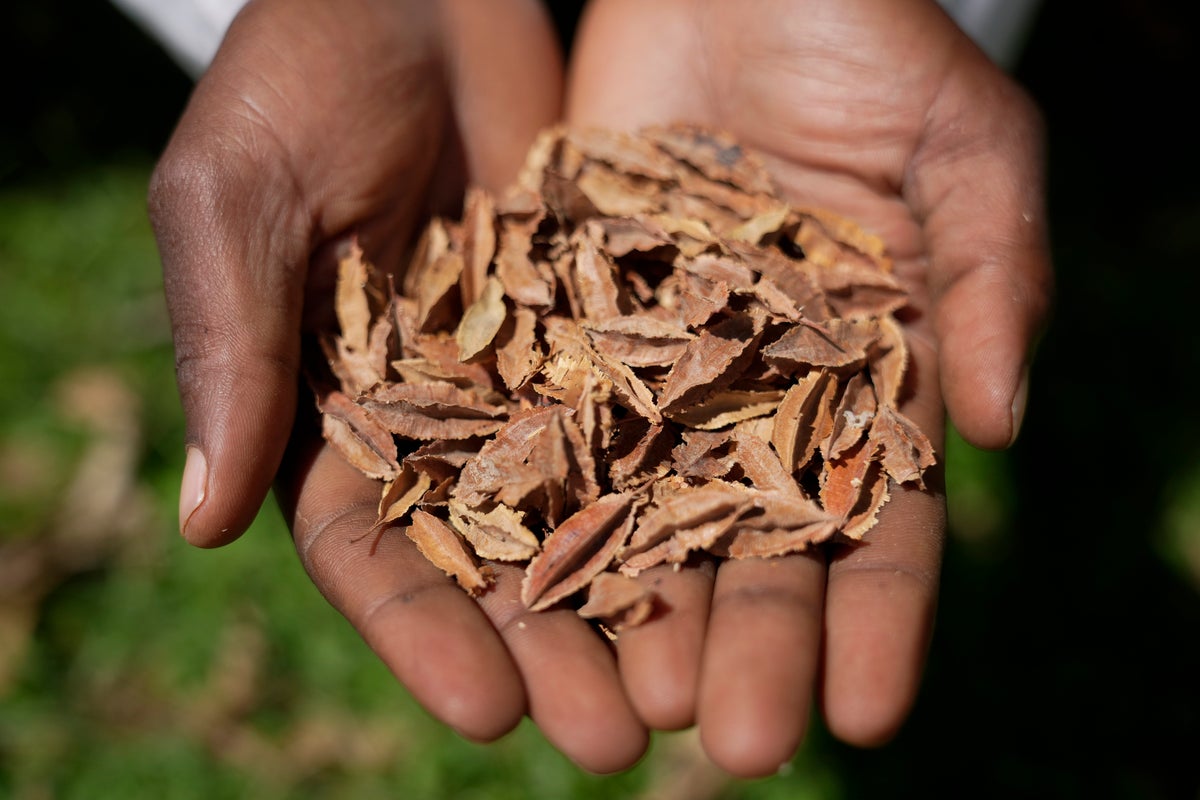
[{"x": 1067, "y": 658}]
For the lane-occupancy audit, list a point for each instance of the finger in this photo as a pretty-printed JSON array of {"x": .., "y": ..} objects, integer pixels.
[
  {"x": 879, "y": 620},
  {"x": 882, "y": 593},
  {"x": 660, "y": 658},
  {"x": 506, "y": 82},
  {"x": 977, "y": 182},
  {"x": 428, "y": 631},
  {"x": 235, "y": 328},
  {"x": 625, "y": 76},
  {"x": 254, "y": 176},
  {"x": 760, "y": 661},
  {"x": 570, "y": 677}
]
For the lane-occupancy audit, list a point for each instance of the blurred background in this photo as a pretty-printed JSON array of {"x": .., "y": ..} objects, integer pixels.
[{"x": 1066, "y": 661}]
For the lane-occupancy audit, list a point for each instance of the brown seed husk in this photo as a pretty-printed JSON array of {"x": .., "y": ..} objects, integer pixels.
[{"x": 638, "y": 352}]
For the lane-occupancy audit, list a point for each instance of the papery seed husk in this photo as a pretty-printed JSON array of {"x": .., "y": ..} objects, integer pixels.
[{"x": 638, "y": 352}]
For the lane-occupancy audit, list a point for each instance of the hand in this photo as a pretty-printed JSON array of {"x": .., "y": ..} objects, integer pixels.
[
  {"x": 317, "y": 120},
  {"x": 885, "y": 112}
]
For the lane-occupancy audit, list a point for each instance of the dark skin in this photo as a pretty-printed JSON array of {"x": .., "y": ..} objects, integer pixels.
[{"x": 318, "y": 120}]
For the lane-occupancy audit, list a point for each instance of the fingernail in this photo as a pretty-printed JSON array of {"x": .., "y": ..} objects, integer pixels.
[
  {"x": 1018, "y": 405},
  {"x": 192, "y": 488}
]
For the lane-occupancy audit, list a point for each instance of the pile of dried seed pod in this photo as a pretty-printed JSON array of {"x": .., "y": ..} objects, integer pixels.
[{"x": 636, "y": 353}]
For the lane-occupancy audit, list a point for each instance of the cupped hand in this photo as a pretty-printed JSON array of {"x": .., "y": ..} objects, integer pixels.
[
  {"x": 319, "y": 120},
  {"x": 884, "y": 111}
]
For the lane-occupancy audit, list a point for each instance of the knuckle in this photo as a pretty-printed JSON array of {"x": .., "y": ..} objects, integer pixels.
[
  {"x": 199, "y": 354},
  {"x": 763, "y": 598},
  {"x": 184, "y": 181},
  {"x": 218, "y": 361},
  {"x": 888, "y": 572}
]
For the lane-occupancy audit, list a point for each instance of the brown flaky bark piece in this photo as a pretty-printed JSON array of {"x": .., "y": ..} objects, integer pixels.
[
  {"x": 638, "y": 353},
  {"x": 438, "y": 542},
  {"x": 577, "y": 550},
  {"x": 688, "y": 520},
  {"x": 617, "y": 601},
  {"x": 781, "y": 522},
  {"x": 362, "y": 439},
  {"x": 498, "y": 533}
]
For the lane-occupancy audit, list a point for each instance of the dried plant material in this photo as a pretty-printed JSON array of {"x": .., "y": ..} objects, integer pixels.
[
  {"x": 437, "y": 354},
  {"x": 518, "y": 351},
  {"x": 498, "y": 534},
  {"x": 645, "y": 460},
  {"x": 747, "y": 542},
  {"x": 361, "y": 438},
  {"x": 853, "y": 283},
  {"x": 907, "y": 452},
  {"x": 704, "y": 456},
  {"x": 403, "y": 493},
  {"x": 774, "y": 510},
  {"x": 798, "y": 420},
  {"x": 523, "y": 280},
  {"x": 795, "y": 279},
  {"x": 359, "y": 355},
  {"x": 693, "y": 514},
  {"x": 693, "y": 298},
  {"x": 438, "y": 301},
  {"x": 625, "y": 235},
  {"x": 490, "y": 471},
  {"x": 433, "y": 241},
  {"x": 479, "y": 244},
  {"x": 442, "y": 461},
  {"x": 720, "y": 268},
  {"x": 713, "y": 360},
  {"x": 438, "y": 542},
  {"x": 481, "y": 321},
  {"x": 352, "y": 307},
  {"x": 889, "y": 363},
  {"x": 628, "y": 389},
  {"x": 618, "y": 195},
  {"x": 628, "y": 155},
  {"x": 775, "y": 301},
  {"x": 722, "y": 409},
  {"x": 618, "y": 601},
  {"x": 780, "y": 522},
  {"x": 640, "y": 341},
  {"x": 761, "y": 465},
  {"x": 577, "y": 550},
  {"x": 714, "y": 154},
  {"x": 854, "y": 488},
  {"x": 637, "y": 353},
  {"x": 435, "y": 410},
  {"x": 761, "y": 225},
  {"x": 836, "y": 343}
]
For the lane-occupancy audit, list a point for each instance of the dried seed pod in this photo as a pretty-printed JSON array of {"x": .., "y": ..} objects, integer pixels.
[
  {"x": 618, "y": 601},
  {"x": 578, "y": 550},
  {"x": 637, "y": 352},
  {"x": 438, "y": 542}
]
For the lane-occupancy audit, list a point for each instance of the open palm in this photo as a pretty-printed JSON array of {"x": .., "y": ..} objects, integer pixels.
[{"x": 883, "y": 111}]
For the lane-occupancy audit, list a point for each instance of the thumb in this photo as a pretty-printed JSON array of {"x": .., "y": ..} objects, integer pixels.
[
  {"x": 314, "y": 118},
  {"x": 977, "y": 182},
  {"x": 234, "y": 240}
]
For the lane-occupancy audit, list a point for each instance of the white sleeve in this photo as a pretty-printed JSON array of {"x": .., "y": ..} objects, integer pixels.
[
  {"x": 190, "y": 30},
  {"x": 999, "y": 27}
]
